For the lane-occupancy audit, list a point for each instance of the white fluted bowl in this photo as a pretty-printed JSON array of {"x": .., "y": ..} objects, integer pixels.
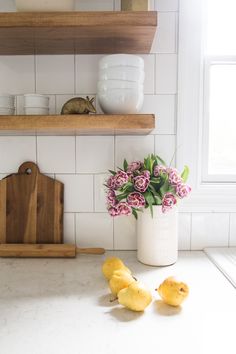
[
  {"x": 121, "y": 100},
  {"x": 122, "y": 73},
  {"x": 121, "y": 60},
  {"x": 118, "y": 84}
]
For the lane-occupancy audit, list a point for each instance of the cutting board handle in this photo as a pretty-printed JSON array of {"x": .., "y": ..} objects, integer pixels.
[{"x": 29, "y": 168}]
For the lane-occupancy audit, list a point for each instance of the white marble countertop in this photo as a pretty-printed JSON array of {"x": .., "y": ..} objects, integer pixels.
[{"x": 62, "y": 307}]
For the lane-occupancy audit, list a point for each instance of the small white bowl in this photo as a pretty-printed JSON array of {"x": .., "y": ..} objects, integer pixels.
[
  {"x": 7, "y": 101},
  {"x": 121, "y": 101},
  {"x": 118, "y": 84},
  {"x": 126, "y": 73},
  {"x": 35, "y": 100},
  {"x": 7, "y": 111},
  {"x": 44, "y": 5},
  {"x": 121, "y": 60},
  {"x": 36, "y": 111}
]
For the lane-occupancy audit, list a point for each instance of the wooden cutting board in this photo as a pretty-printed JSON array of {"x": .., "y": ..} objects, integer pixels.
[{"x": 31, "y": 207}]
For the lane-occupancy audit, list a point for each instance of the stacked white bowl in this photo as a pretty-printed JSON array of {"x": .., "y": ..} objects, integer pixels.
[
  {"x": 36, "y": 104},
  {"x": 120, "y": 85},
  {"x": 7, "y": 104}
]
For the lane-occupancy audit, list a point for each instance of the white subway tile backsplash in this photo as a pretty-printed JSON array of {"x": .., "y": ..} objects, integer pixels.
[
  {"x": 100, "y": 192},
  {"x": 165, "y": 147},
  {"x": 17, "y": 74},
  {"x": 14, "y": 150},
  {"x": 232, "y": 236},
  {"x": 132, "y": 148},
  {"x": 94, "y": 5},
  {"x": 66, "y": 76},
  {"x": 56, "y": 154},
  {"x": 165, "y": 38},
  {"x": 94, "y": 154},
  {"x": 125, "y": 233},
  {"x": 209, "y": 230},
  {"x": 7, "y": 6},
  {"x": 87, "y": 73},
  {"x": 184, "y": 231},
  {"x": 55, "y": 74},
  {"x": 166, "y": 73},
  {"x": 149, "y": 67},
  {"x": 94, "y": 230},
  {"x": 166, "y": 5},
  {"x": 69, "y": 228},
  {"x": 163, "y": 106},
  {"x": 78, "y": 192}
]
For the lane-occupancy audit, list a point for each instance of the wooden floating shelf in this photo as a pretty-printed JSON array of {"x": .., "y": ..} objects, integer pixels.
[
  {"x": 77, "y": 32},
  {"x": 94, "y": 124}
]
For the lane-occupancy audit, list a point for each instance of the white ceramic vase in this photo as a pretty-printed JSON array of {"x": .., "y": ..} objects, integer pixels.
[{"x": 157, "y": 237}]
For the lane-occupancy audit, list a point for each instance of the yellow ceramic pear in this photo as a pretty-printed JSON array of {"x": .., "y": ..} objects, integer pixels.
[
  {"x": 112, "y": 264},
  {"x": 136, "y": 297},
  {"x": 173, "y": 292},
  {"x": 120, "y": 279}
]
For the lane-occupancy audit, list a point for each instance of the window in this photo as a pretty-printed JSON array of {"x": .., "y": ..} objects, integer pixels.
[
  {"x": 206, "y": 127},
  {"x": 219, "y": 101}
]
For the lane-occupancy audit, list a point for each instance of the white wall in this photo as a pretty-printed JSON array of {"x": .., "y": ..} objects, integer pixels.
[{"x": 82, "y": 162}]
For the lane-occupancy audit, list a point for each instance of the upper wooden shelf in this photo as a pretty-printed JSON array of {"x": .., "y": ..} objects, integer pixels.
[
  {"x": 94, "y": 124},
  {"x": 77, "y": 32}
]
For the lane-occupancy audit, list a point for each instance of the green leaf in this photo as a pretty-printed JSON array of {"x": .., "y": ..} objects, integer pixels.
[
  {"x": 155, "y": 180},
  {"x": 151, "y": 209},
  {"x": 112, "y": 172},
  {"x": 165, "y": 186},
  {"x": 135, "y": 214},
  {"x": 150, "y": 200},
  {"x": 159, "y": 160},
  {"x": 125, "y": 165},
  {"x": 185, "y": 174}
]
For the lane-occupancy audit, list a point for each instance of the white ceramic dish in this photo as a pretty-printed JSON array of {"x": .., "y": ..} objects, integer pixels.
[
  {"x": 44, "y": 5},
  {"x": 118, "y": 84},
  {"x": 121, "y": 60},
  {"x": 121, "y": 101},
  {"x": 7, "y": 101},
  {"x": 36, "y": 110},
  {"x": 6, "y": 111},
  {"x": 122, "y": 73},
  {"x": 35, "y": 100}
]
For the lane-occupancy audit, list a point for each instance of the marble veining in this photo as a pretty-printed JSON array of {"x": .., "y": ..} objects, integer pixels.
[{"x": 57, "y": 306}]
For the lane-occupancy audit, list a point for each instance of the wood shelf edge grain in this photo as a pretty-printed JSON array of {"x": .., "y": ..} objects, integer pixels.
[
  {"x": 77, "y": 32},
  {"x": 38, "y": 251},
  {"x": 96, "y": 124}
]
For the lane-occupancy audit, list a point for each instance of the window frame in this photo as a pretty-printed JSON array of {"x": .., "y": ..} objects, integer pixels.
[
  {"x": 206, "y": 196},
  {"x": 209, "y": 61}
]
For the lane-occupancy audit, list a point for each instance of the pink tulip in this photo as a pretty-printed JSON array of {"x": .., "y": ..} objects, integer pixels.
[
  {"x": 168, "y": 202},
  {"x": 136, "y": 200}
]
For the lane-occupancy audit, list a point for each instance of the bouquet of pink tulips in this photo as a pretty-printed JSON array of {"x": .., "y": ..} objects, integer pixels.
[{"x": 144, "y": 184}]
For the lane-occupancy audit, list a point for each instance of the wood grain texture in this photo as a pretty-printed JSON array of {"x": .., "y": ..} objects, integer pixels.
[
  {"x": 38, "y": 251},
  {"x": 94, "y": 124},
  {"x": 77, "y": 32},
  {"x": 90, "y": 250},
  {"x": 31, "y": 207}
]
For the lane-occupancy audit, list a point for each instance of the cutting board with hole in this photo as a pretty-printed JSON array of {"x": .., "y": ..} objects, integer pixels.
[{"x": 31, "y": 207}]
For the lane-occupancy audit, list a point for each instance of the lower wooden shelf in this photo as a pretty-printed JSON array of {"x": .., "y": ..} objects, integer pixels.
[{"x": 94, "y": 124}]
